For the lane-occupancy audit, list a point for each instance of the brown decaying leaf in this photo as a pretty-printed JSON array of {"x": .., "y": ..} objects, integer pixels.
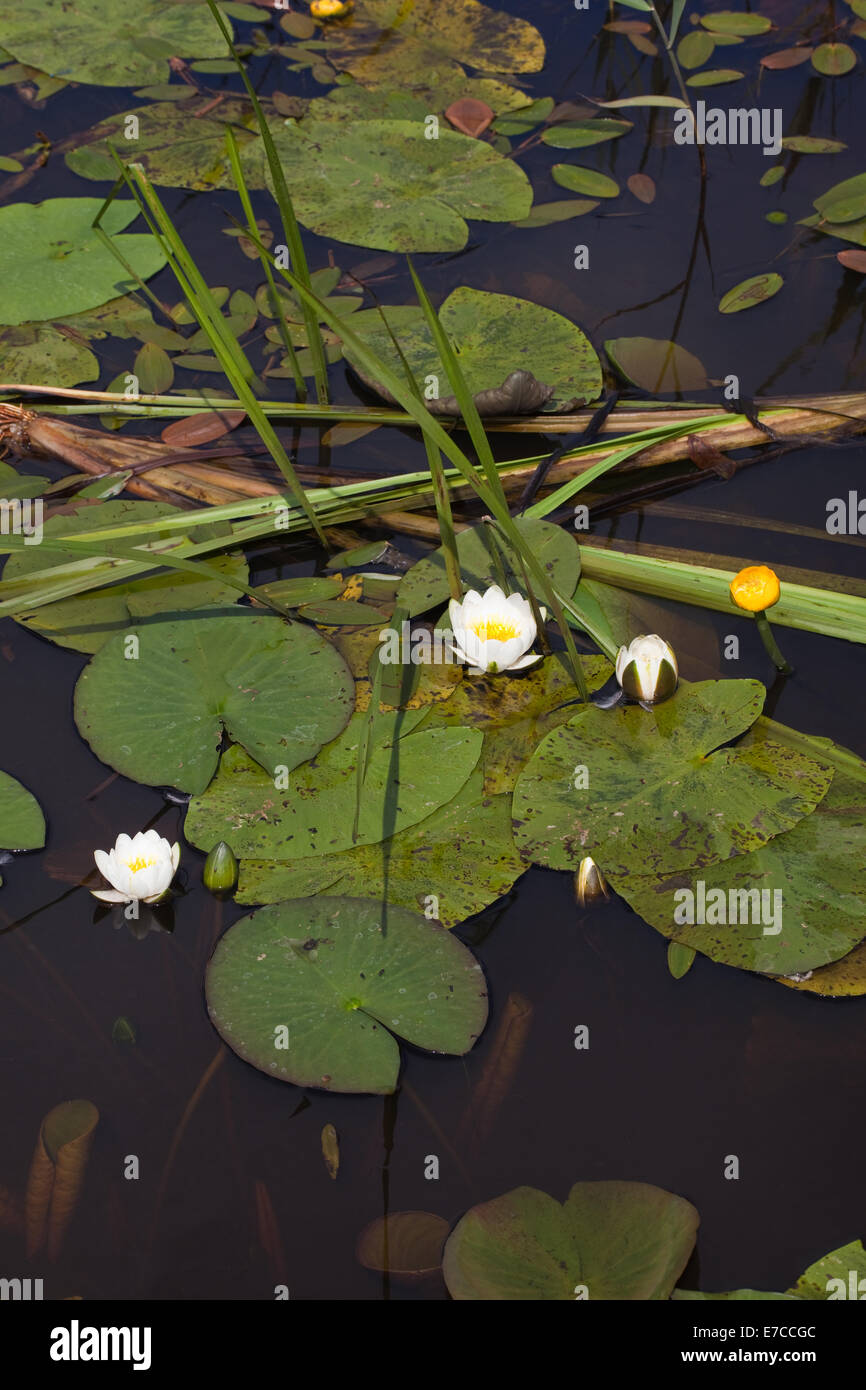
[
  {"x": 643, "y": 44},
  {"x": 629, "y": 26},
  {"x": 331, "y": 1150},
  {"x": 642, "y": 186},
  {"x": 201, "y": 428},
  {"x": 497, "y": 1075},
  {"x": 852, "y": 260},
  {"x": 408, "y": 1244},
  {"x": 57, "y": 1174},
  {"x": 470, "y": 116},
  {"x": 786, "y": 58},
  {"x": 707, "y": 457}
]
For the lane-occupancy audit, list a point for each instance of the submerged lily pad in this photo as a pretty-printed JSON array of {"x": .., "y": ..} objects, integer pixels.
[
  {"x": 425, "y": 585},
  {"x": 494, "y": 336},
  {"x": 108, "y": 42},
  {"x": 86, "y": 621},
  {"x": 608, "y": 1240},
  {"x": 314, "y": 992},
  {"x": 653, "y": 796},
  {"x": 22, "y": 824},
  {"x": 463, "y": 855},
  {"x": 54, "y": 263},
  {"x": 280, "y": 690},
  {"x": 37, "y": 353},
  {"x": 656, "y": 365},
  {"x": 382, "y": 184}
]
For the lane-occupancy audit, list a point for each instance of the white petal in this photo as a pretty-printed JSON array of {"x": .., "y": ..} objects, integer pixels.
[
  {"x": 175, "y": 857},
  {"x": 103, "y": 863},
  {"x": 108, "y": 895},
  {"x": 524, "y": 661},
  {"x": 493, "y": 597},
  {"x": 122, "y": 846}
]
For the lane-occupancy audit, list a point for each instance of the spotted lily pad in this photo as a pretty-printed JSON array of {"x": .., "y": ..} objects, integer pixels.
[
  {"x": 642, "y": 791},
  {"x": 608, "y": 1240},
  {"x": 38, "y": 353},
  {"x": 314, "y": 992},
  {"x": 756, "y": 290},
  {"x": 108, "y": 42},
  {"x": 383, "y": 184},
  {"x": 55, "y": 264},
  {"x": 156, "y": 711}
]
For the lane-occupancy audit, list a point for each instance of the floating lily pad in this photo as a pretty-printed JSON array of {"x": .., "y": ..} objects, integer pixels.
[
  {"x": 107, "y": 42},
  {"x": 812, "y": 144},
  {"x": 654, "y": 797},
  {"x": 694, "y": 50},
  {"x": 756, "y": 290},
  {"x": 313, "y": 992},
  {"x": 22, "y": 824},
  {"x": 85, "y": 622},
  {"x": 54, "y": 263},
  {"x": 714, "y": 77},
  {"x": 736, "y": 22},
  {"x": 38, "y": 353},
  {"x": 785, "y": 58},
  {"x": 838, "y": 1265},
  {"x": 382, "y": 184},
  {"x": 816, "y": 927},
  {"x": 834, "y": 59},
  {"x": 656, "y": 365},
  {"x": 580, "y": 180},
  {"x": 495, "y": 335},
  {"x": 736, "y": 1296},
  {"x": 561, "y": 210},
  {"x": 463, "y": 855},
  {"x": 844, "y": 202},
  {"x": 608, "y": 1240},
  {"x": 174, "y": 150},
  {"x": 280, "y": 690},
  {"x": 578, "y": 135},
  {"x": 408, "y": 778},
  {"x": 425, "y": 585},
  {"x": 844, "y": 978}
]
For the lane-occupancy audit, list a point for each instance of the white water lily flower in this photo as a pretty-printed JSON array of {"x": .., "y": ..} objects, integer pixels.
[
  {"x": 647, "y": 669},
  {"x": 138, "y": 869},
  {"x": 494, "y": 632}
]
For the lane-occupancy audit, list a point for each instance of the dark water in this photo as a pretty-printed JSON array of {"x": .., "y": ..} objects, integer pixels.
[{"x": 678, "y": 1075}]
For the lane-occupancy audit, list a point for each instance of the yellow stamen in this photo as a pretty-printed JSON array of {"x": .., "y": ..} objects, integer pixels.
[
  {"x": 494, "y": 630},
  {"x": 136, "y": 865}
]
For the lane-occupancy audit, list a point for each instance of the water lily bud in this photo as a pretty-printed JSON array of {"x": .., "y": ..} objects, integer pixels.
[
  {"x": 330, "y": 9},
  {"x": 755, "y": 588},
  {"x": 220, "y": 873},
  {"x": 589, "y": 882},
  {"x": 647, "y": 669}
]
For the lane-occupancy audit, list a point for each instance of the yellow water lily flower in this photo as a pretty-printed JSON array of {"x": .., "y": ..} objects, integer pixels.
[
  {"x": 755, "y": 588},
  {"x": 330, "y": 9},
  {"x": 493, "y": 632},
  {"x": 140, "y": 868},
  {"x": 647, "y": 669}
]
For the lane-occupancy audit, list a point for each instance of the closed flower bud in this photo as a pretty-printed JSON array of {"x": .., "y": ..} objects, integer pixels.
[
  {"x": 589, "y": 882},
  {"x": 220, "y": 872},
  {"x": 330, "y": 9},
  {"x": 647, "y": 669},
  {"x": 755, "y": 588}
]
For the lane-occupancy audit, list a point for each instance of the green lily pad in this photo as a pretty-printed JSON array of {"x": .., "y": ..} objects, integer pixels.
[
  {"x": 812, "y": 144},
  {"x": 494, "y": 335},
  {"x": 85, "y": 622},
  {"x": 589, "y": 181},
  {"x": 280, "y": 690},
  {"x": 55, "y": 263},
  {"x": 714, "y": 77},
  {"x": 817, "y": 927},
  {"x": 608, "y": 1240},
  {"x": 312, "y": 992},
  {"x": 844, "y": 978},
  {"x": 653, "y": 796},
  {"x": 407, "y": 779},
  {"x": 523, "y": 117},
  {"x": 735, "y": 1296},
  {"x": 463, "y": 855},
  {"x": 37, "y": 353},
  {"x": 736, "y": 22},
  {"x": 341, "y": 613},
  {"x": 105, "y": 42},
  {"x": 838, "y": 1265},
  {"x": 382, "y": 184},
  {"x": 694, "y": 50},
  {"x": 756, "y": 290},
  {"x": 22, "y": 824},
  {"x": 560, "y": 210},
  {"x": 656, "y": 365},
  {"x": 291, "y": 593},
  {"x": 834, "y": 59},
  {"x": 845, "y": 231},
  {"x": 845, "y": 201},
  {"x": 578, "y": 135},
  {"x": 425, "y": 585}
]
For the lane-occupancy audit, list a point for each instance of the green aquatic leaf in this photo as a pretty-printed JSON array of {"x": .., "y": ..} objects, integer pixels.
[
  {"x": 38, "y": 353},
  {"x": 580, "y": 180},
  {"x": 291, "y": 593},
  {"x": 714, "y": 77},
  {"x": 736, "y": 1295},
  {"x": 425, "y": 585},
  {"x": 847, "y": 1265},
  {"x": 655, "y": 791},
  {"x": 756, "y": 290},
  {"x": 578, "y": 135},
  {"x": 834, "y": 59},
  {"x": 523, "y": 117},
  {"x": 280, "y": 690},
  {"x": 680, "y": 959},
  {"x": 561, "y": 210},
  {"x": 22, "y": 824},
  {"x": 736, "y": 22},
  {"x": 459, "y": 860},
  {"x": 656, "y": 365},
  {"x": 817, "y": 927},
  {"x": 409, "y": 776},
  {"x": 55, "y": 264},
  {"x": 495, "y": 335},
  {"x": 844, "y": 978},
  {"x": 105, "y": 42},
  {"x": 844, "y": 202},
  {"x": 86, "y": 621},
  {"x": 341, "y": 613},
  {"x": 694, "y": 49},
  {"x": 314, "y": 992},
  {"x": 383, "y": 184},
  {"x": 812, "y": 144},
  {"x": 608, "y": 1240}
]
